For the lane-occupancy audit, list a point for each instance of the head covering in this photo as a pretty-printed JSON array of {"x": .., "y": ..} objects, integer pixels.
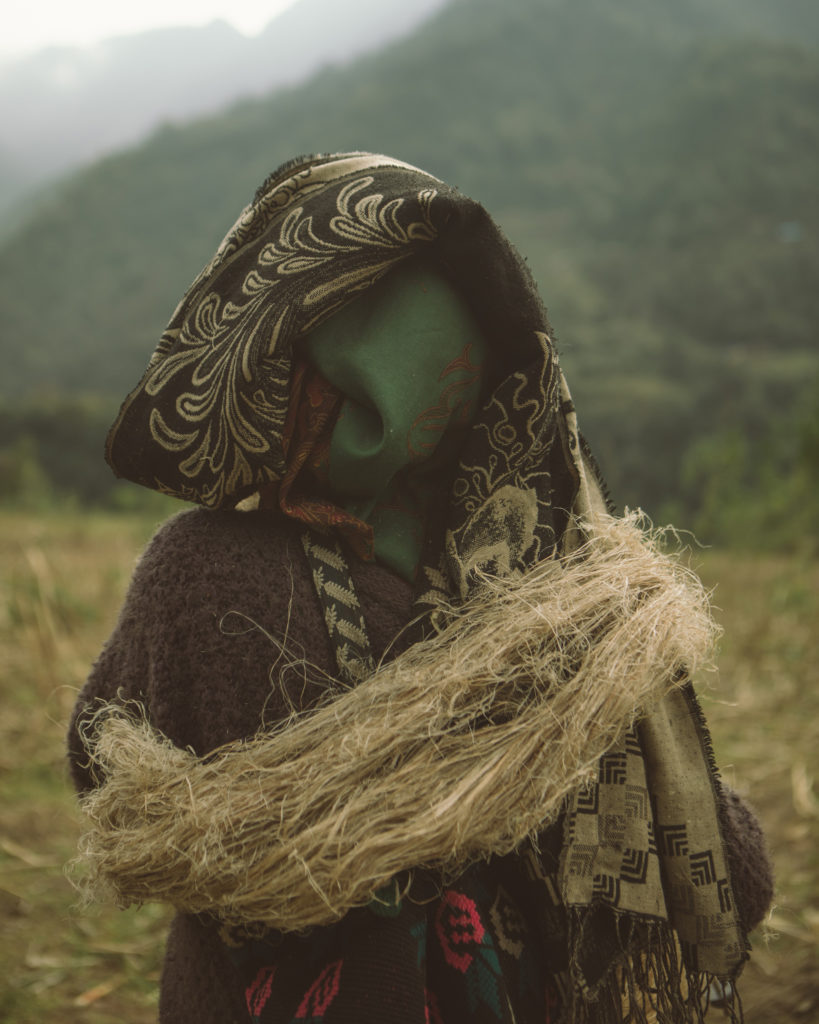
[
  {"x": 207, "y": 421},
  {"x": 214, "y": 420}
]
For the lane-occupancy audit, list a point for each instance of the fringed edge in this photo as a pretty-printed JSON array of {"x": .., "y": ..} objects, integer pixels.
[
  {"x": 648, "y": 981},
  {"x": 704, "y": 733},
  {"x": 597, "y": 473},
  {"x": 287, "y": 170}
]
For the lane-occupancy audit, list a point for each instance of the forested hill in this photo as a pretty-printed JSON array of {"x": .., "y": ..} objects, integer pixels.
[
  {"x": 655, "y": 159},
  {"x": 61, "y": 107}
]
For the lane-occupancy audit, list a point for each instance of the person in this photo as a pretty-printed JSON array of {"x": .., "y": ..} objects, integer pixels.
[{"x": 399, "y": 717}]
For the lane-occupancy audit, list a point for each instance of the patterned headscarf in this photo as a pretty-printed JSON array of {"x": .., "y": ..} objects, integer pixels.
[
  {"x": 207, "y": 421},
  {"x": 211, "y": 422}
]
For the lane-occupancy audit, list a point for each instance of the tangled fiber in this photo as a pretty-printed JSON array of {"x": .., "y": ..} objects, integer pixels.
[{"x": 458, "y": 749}]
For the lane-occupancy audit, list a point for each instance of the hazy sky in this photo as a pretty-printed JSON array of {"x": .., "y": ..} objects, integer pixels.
[{"x": 31, "y": 25}]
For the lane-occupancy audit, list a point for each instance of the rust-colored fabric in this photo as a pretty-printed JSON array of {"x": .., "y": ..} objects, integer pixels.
[{"x": 308, "y": 429}]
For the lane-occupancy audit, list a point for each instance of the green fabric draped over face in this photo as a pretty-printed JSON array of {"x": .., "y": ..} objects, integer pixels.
[{"x": 407, "y": 357}]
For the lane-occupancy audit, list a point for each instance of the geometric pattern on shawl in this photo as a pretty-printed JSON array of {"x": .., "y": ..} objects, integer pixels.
[
  {"x": 641, "y": 844},
  {"x": 644, "y": 838}
]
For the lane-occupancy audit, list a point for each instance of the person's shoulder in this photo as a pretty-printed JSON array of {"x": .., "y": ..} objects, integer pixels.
[
  {"x": 207, "y": 541},
  {"x": 208, "y": 526}
]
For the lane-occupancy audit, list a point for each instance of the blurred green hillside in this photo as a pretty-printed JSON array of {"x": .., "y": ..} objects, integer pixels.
[{"x": 656, "y": 160}]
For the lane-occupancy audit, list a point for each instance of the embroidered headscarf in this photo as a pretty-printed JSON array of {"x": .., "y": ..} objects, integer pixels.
[{"x": 207, "y": 421}]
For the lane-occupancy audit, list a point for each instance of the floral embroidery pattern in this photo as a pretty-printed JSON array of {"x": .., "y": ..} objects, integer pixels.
[
  {"x": 258, "y": 992},
  {"x": 459, "y": 929},
  {"x": 321, "y": 993},
  {"x": 443, "y": 961},
  {"x": 215, "y": 393},
  {"x": 508, "y": 924}
]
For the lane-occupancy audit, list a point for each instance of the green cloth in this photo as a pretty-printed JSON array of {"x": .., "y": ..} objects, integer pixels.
[{"x": 407, "y": 356}]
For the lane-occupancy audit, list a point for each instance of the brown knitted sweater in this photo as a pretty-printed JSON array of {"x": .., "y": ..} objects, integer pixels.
[
  {"x": 222, "y": 631},
  {"x": 213, "y": 600}
]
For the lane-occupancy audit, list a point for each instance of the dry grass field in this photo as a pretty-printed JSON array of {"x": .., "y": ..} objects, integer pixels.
[{"x": 61, "y": 581}]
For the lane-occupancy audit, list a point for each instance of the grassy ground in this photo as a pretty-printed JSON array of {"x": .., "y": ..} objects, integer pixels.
[
  {"x": 763, "y": 708},
  {"x": 61, "y": 581}
]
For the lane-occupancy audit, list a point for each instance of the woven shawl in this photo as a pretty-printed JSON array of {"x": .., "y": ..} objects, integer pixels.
[{"x": 641, "y": 845}]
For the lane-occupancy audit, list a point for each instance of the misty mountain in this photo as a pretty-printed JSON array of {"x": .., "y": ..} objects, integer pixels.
[
  {"x": 61, "y": 107},
  {"x": 654, "y": 159}
]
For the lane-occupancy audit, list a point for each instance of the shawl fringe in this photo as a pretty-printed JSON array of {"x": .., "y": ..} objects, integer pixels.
[{"x": 647, "y": 983}]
